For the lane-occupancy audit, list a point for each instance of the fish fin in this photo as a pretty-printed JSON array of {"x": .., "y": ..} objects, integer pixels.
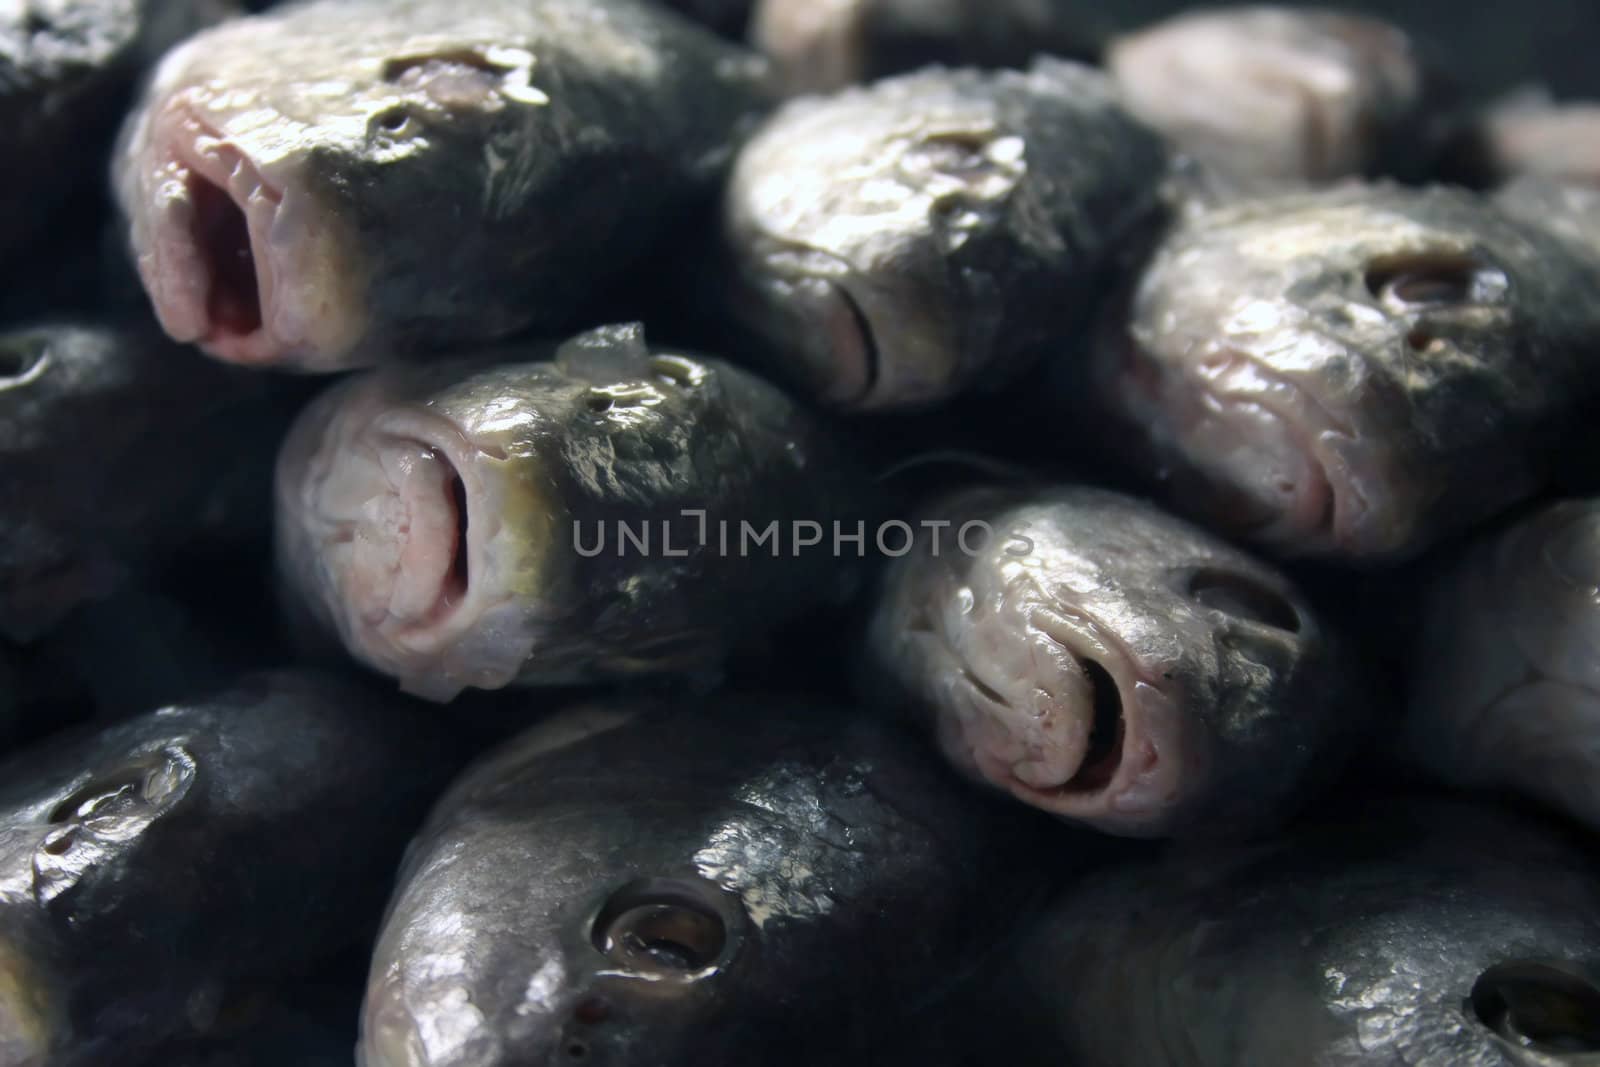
[{"x": 605, "y": 348}]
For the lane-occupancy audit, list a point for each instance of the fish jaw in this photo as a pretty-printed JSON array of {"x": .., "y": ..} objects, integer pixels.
[
  {"x": 393, "y": 523},
  {"x": 236, "y": 254}
]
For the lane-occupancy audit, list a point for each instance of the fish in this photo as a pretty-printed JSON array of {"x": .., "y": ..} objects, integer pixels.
[
  {"x": 1347, "y": 374},
  {"x": 518, "y": 518},
  {"x": 1505, "y": 677},
  {"x": 117, "y": 448},
  {"x": 892, "y": 246},
  {"x": 749, "y": 878},
  {"x": 1271, "y": 95},
  {"x": 1105, "y": 662},
  {"x": 727, "y": 17},
  {"x": 1530, "y": 132},
  {"x": 824, "y": 47},
  {"x": 148, "y": 867},
  {"x": 414, "y": 178},
  {"x": 1400, "y": 931},
  {"x": 68, "y": 69}
]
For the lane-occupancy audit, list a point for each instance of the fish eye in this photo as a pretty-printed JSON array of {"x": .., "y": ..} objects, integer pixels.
[
  {"x": 393, "y": 120},
  {"x": 19, "y": 360},
  {"x": 669, "y": 928},
  {"x": 1425, "y": 279},
  {"x": 1550, "y": 1007},
  {"x": 1243, "y": 597}
]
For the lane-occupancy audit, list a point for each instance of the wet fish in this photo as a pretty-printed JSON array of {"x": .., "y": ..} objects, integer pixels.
[
  {"x": 935, "y": 232},
  {"x": 333, "y": 183},
  {"x": 1269, "y": 94},
  {"x": 1352, "y": 373},
  {"x": 67, "y": 69},
  {"x": 1399, "y": 933},
  {"x": 1505, "y": 690},
  {"x": 727, "y": 17},
  {"x": 1110, "y": 664},
  {"x": 147, "y": 867},
  {"x": 463, "y": 524},
  {"x": 116, "y": 447},
  {"x": 759, "y": 880},
  {"x": 1531, "y": 133},
  {"x": 821, "y": 47}
]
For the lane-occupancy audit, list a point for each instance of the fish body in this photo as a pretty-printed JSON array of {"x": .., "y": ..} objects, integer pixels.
[
  {"x": 415, "y": 175},
  {"x": 1110, "y": 664},
  {"x": 746, "y": 880},
  {"x": 1505, "y": 685},
  {"x": 1352, "y": 373},
  {"x": 147, "y": 867},
  {"x": 116, "y": 448},
  {"x": 1394, "y": 933},
  {"x": 611, "y": 512},
  {"x": 935, "y": 232},
  {"x": 1531, "y": 133},
  {"x": 1276, "y": 95}
]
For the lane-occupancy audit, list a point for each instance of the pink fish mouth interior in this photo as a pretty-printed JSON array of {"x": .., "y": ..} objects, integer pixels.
[{"x": 222, "y": 237}]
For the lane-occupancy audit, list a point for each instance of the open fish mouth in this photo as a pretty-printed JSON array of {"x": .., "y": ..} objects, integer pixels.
[
  {"x": 1092, "y": 740},
  {"x": 230, "y": 257}
]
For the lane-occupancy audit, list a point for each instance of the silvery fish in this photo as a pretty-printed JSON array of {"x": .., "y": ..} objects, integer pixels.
[
  {"x": 1531, "y": 133},
  {"x": 1352, "y": 373},
  {"x": 761, "y": 880},
  {"x": 1505, "y": 687},
  {"x": 334, "y": 183},
  {"x": 932, "y": 233},
  {"x": 1110, "y": 664},
  {"x": 148, "y": 868},
  {"x": 1395, "y": 933},
  {"x": 462, "y": 524},
  {"x": 1269, "y": 94}
]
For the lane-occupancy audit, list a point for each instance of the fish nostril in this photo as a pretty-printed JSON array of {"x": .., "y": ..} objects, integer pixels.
[
  {"x": 222, "y": 235},
  {"x": 18, "y": 360},
  {"x": 662, "y": 927},
  {"x": 576, "y": 1049},
  {"x": 1424, "y": 278},
  {"x": 1548, "y": 1007},
  {"x": 1244, "y": 598},
  {"x": 1103, "y": 753},
  {"x": 1420, "y": 340}
]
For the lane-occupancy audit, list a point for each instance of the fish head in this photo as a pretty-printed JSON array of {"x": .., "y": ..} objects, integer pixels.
[
  {"x": 430, "y": 514},
  {"x": 1302, "y": 364},
  {"x": 1272, "y": 94},
  {"x": 1108, "y": 664},
  {"x": 268, "y": 163},
  {"x": 855, "y": 223}
]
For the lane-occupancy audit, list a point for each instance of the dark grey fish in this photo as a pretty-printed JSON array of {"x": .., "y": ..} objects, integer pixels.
[
  {"x": 727, "y": 17},
  {"x": 1110, "y": 664},
  {"x": 67, "y": 71},
  {"x": 1266, "y": 94},
  {"x": 1400, "y": 933},
  {"x": 823, "y": 46},
  {"x": 1352, "y": 373},
  {"x": 462, "y": 524},
  {"x": 1505, "y": 690},
  {"x": 336, "y": 182},
  {"x": 117, "y": 446},
  {"x": 759, "y": 881},
  {"x": 935, "y": 232},
  {"x": 147, "y": 868}
]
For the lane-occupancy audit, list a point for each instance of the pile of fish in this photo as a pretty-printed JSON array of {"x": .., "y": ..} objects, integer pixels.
[{"x": 715, "y": 532}]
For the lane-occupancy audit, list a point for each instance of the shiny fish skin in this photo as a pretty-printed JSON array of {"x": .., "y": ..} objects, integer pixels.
[
  {"x": 428, "y": 515},
  {"x": 1505, "y": 691},
  {"x": 1353, "y": 373},
  {"x": 894, "y": 245},
  {"x": 779, "y": 882},
  {"x": 117, "y": 446},
  {"x": 146, "y": 868},
  {"x": 1112, "y": 665},
  {"x": 825, "y": 45},
  {"x": 1277, "y": 95},
  {"x": 67, "y": 68},
  {"x": 335, "y": 183},
  {"x": 1400, "y": 934}
]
